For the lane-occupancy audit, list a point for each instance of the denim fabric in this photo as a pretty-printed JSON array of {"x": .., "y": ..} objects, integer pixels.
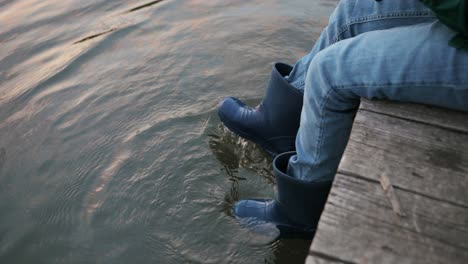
[
  {"x": 354, "y": 17},
  {"x": 377, "y": 50}
]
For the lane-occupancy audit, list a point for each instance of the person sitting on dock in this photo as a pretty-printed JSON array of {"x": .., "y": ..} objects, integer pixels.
[{"x": 411, "y": 51}]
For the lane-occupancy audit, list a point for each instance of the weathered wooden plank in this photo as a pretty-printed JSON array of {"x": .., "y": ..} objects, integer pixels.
[
  {"x": 318, "y": 260},
  {"x": 453, "y": 120},
  {"x": 401, "y": 194},
  {"x": 417, "y": 157},
  {"x": 359, "y": 225}
]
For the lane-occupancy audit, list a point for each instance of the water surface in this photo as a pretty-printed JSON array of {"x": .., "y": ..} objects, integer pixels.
[{"x": 110, "y": 147}]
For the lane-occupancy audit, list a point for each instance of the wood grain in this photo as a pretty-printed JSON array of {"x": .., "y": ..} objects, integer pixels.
[
  {"x": 359, "y": 226},
  {"x": 321, "y": 260},
  {"x": 401, "y": 193},
  {"x": 453, "y": 120},
  {"x": 422, "y": 158}
]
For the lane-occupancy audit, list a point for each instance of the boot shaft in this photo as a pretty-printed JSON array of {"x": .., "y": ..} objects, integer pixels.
[
  {"x": 282, "y": 101},
  {"x": 303, "y": 201}
]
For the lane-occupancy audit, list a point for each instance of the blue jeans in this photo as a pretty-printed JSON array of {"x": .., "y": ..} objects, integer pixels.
[{"x": 391, "y": 49}]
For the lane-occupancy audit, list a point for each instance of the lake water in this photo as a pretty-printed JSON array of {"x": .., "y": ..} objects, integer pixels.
[{"x": 111, "y": 150}]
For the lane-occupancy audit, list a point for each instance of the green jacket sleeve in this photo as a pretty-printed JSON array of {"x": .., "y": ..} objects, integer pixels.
[{"x": 452, "y": 13}]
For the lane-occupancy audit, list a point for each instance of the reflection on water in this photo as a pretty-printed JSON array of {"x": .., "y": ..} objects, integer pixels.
[
  {"x": 234, "y": 153},
  {"x": 111, "y": 150}
]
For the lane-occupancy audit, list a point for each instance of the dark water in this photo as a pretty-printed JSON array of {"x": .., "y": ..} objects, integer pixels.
[{"x": 110, "y": 147}]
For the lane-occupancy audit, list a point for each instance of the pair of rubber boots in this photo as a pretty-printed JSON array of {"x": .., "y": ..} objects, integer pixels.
[{"x": 273, "y": 124}]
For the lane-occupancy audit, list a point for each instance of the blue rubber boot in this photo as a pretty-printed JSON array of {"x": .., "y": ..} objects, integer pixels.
[
  {"x": 297, "y": 209},
  {"x": 274, "y": 123}
]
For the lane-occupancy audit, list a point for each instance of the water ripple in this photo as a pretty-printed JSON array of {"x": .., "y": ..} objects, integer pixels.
[
  {"x": 111, "y": 148},
  {"x": 95, "y": 196}
]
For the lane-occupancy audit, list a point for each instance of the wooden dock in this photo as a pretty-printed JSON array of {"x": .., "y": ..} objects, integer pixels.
[{"x": 401, "y": 192}]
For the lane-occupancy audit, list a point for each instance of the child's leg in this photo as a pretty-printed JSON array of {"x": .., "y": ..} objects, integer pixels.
[
  {"x": 411, "y": 64},
  {"x": 354, "y": 17}
]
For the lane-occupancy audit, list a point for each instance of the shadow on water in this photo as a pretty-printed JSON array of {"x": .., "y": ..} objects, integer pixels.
[
  {"x": 95, "y": 36},
  {"x": 143, "y": 6}
]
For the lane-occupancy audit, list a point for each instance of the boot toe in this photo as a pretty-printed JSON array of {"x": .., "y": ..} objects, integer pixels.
[
  {"x": 252, "y": 209},
  {"x": 263, "y": 217},
  {"x": 252, "y": 214},
  {"x": 228, "y": 109},
  {"x": 239, "y": 118}
]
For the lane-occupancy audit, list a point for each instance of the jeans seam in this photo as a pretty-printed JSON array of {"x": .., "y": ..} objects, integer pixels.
[
  {"x": 300, "y": 85},
  {"x": 322, "y": 118},
  {"x": 414, "y": 84},
  {"x": 366, "y": 19}
]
